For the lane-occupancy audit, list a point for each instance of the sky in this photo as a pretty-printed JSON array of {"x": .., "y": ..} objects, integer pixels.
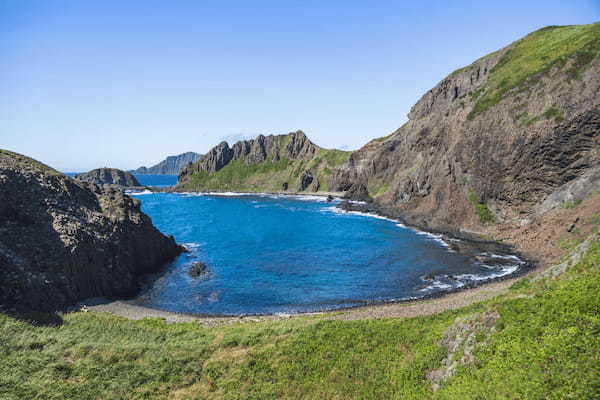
[{"x": 88, "y": 84}]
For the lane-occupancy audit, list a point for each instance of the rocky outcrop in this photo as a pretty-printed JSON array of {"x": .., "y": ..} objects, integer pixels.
[
  {"x": 109, "y": 176},
  {"x": 172, "y": 165},
  {"x": 476, "y": 149},
  {"x": 293, "y": 146},
  {"x": 274, "y": 162},
  {"x": 64, "y": 240}
]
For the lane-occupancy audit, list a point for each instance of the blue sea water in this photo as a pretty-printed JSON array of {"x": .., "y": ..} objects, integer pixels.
[
  {"x": 148, "y": 180},
  {"x": 286, "y": 254},
  {"x": 156, "y": 180}
]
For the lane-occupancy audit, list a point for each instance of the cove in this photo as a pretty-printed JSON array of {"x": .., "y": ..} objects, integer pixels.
[{"x": 286, "y": 254}]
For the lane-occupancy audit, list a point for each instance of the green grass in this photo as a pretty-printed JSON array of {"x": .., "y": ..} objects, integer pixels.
[
  {"x": 568, "y": 204},
  {"x": 553, "y": 113},
  {"x": 483, "y": 212},
  {"x": 545, "y": 346},
  {"x": 377, "y": 187},
  {"x": 535, "y": 54}
]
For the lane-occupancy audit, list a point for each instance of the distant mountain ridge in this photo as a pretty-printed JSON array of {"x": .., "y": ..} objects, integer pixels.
[{"x": 172, "y": 165}]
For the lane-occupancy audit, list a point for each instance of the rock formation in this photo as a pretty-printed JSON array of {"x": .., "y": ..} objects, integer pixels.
[
  {"x": 267, "y": 163},
  {"x": 109, "y": 176},
  {"x": 64, "y": 240},
  {"x": 172, "y": 165},
  {"x": 493, "y": 139}
]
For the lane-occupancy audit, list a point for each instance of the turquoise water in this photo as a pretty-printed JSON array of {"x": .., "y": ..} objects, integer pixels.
[
  {"x": 274, "y": 254},
  {"x": 156, "y": 180}
]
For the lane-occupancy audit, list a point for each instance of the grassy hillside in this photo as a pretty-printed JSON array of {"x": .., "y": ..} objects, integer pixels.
[
  {"x": 540, "y": 340},
  {"x": 269, "y": 175},
  {"x": 575, "y": 46}
]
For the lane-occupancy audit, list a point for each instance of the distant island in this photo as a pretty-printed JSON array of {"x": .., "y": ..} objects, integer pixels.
[
  {"x": 108, "y": 176},
  {"x": 171, "y": 165}
]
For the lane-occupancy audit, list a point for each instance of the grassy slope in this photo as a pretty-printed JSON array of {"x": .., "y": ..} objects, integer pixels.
[
  {"x": 267, "y": 176},
  {"x": 546, "y": 346},
  {"x": 535, "y": 54}
]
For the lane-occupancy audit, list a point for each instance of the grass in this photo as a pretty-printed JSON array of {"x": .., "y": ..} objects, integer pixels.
[
  {"x": 568, "y": 204},
  {"x": 553, "y": 113},
  {"x": 483, "y": 212},
  {"x": 377, "y": 187},
  {"x": 545, "y": 346},
  {"x": 536, "y": 54}
]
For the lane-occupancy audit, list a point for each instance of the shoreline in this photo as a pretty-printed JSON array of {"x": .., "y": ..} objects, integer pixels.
[{"x": 390, "y": 308}]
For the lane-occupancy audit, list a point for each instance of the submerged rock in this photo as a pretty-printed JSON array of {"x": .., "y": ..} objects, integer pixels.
[
  {"x": 63, "y": 240},
  {"x": 197, "y": 269}
]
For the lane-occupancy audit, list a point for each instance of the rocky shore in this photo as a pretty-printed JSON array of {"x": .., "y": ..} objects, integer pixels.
[{"x": 63, "y": 240}]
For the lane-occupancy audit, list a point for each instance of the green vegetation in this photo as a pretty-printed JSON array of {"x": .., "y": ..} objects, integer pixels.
[
  {"x": 568, "y": 204},
  {"x": 268, "y": 176},
  {"x": 544, "y": 345},
  {"x": 484, "y": 213},
  {"x": 553, "y": 113},
  {"x": 535, "y": 54},
  {"x": 377, "y": 187}
]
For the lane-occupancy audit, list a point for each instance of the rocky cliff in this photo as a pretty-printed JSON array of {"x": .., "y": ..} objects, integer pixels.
[
  {"x": 268, "y": 163},
  {"x": 492, "y": 140},
  {"x": 63, "y": 240},
  {"x": 108, "y": 176},
  {"x": 172, "y": 165}
]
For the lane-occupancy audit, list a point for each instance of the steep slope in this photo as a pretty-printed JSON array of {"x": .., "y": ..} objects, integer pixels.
[
  {"x": 63, "y": 240},
  {"x": 268, "y": 163},
  {"x": 108, "y": 176},
  {"x": 172, "y": 165},
  {"x": 493, "y": 139}
]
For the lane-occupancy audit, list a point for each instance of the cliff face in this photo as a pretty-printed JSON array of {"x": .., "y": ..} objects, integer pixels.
[
  {"x": 108, "y": 176},
  {"x": 63, "y": 240},
  {"x": 267, "y": 163},
  {"x": 172, "y": 165},
  {"x": 493, "y": 139}
]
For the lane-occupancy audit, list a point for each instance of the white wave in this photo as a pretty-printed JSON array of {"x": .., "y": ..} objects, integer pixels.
[
  {"x": 303, "y": 197},
  {"x": 437, "y": 284},
  {"x": 503, "y": 257},
  {"x": 191, "y": 246},
  {"x": 134, "y": 193},
  {"x": 506, "y": 270},
  {"x": 336, "y": 210}
]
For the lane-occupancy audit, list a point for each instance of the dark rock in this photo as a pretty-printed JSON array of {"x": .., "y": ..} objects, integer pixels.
[
  {"x": 329, "y": 198},
  {"x": 358, "y": 192},
  {"x": 109, "y": 176},
  {"x": 284, "y": 186},
  {"x": 64, "y": 240},
  {"x": 197, "y": 269},
  {"x": 306, "y": 179}
]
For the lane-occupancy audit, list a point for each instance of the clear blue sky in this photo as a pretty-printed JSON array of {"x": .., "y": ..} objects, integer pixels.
[{"x": 85, "y": 84}]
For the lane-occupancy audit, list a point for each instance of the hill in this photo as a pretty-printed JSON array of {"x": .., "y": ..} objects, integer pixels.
[
  {"x": 171, "y": 165},
  {"x": 108, "y": 176},
  {"x": 266, "y": 164}
]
